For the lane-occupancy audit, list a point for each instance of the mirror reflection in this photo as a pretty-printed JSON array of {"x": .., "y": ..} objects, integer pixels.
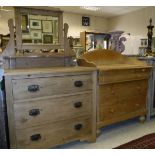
[{"x": 39, "y": 29}]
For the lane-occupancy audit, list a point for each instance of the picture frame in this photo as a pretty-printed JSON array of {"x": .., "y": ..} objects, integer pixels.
[
  {"x": 47, "y": 39},
  {"x": 85, "y": 21},
  {"x": 27, "y": 41},
  {"x": 36, "y": 34},
  {"x": 35, "y": 24},
  {"x": 47, "y": 26},
  {"x": 55, "y": 28},
  {"x": 37, "y": 41},
  {"x": 144, "y": 42},
  {"x": 24, "y": 23}
]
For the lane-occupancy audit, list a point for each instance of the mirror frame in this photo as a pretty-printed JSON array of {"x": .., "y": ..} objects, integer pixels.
[{"x": 55, "y": 13}]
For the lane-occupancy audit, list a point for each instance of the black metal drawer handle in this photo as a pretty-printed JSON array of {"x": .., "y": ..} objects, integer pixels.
[
  {"x": 34, "y": 112},
  {"x": 35, "y": 137},
  {"x": 78, "y": 83},
  {"x": 78, "y": 127},
  {"x": 78, "y": 104},
  {"x": 33, "y": 88}
]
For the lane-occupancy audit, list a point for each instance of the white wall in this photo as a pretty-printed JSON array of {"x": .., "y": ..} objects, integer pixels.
[
  {"x": 134, "y": 23},
  {"x": 132, "y": 44},
  {"x": 98, "y": 24},
  {"x": 4, "y": 17}
]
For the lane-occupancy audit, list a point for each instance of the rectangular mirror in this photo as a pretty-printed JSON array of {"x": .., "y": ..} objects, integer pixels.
[{"x": 38, "y": 28}]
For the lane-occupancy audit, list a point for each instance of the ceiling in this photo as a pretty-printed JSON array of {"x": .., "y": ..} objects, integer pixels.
[{"x": 103, "y": 11}]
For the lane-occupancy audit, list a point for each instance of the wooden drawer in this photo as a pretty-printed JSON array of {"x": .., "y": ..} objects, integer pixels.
[
  {"x": 116, "y": 75},
  {"x": 54, "y": 133},
  {"x": 123, "y": 107},
  {"x": 38, "y": 87},
  {"x": 111, "y": 93},
  {"x": 36, "y": 112}
]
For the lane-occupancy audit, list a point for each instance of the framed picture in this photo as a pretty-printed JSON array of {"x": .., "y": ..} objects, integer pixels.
[
  {"x": 85, "y": 21},
  {"x": 47, "y": 39},
  {"x": 35, "y": 24},
  {"x": 24, "y": 21},
  {"x": 36, "y": 41},
  {"x": 47, "y": 26},
  {"x": 36, "y": 34},
  {"x": 27, "y": 41},
  {"x": 55, "y": 28}
]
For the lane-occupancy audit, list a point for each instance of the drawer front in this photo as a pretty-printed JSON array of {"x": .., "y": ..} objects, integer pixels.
[
  {"x": 38, "y": 87},
  {"x": 111, "y": 76},
  {"x": 142, "y": 73},
  {"x": 54, "y": 134},
  {"x": 123, "y": 107},
  {"x": 111, "y": 93},
  {"x": 32, "y": 113}
]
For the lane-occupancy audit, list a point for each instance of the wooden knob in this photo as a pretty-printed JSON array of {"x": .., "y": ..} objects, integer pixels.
[
  {"x": 139, "y": 88},
  {"x": 143, "y": 70},
  {"x": 112, "y": 92},
  {"x": 111, "y": 110},
  {"x": 137, "y": 104}
]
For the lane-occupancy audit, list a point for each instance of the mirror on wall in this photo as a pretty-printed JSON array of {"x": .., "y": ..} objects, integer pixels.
[{"x": 38, "y": 27}]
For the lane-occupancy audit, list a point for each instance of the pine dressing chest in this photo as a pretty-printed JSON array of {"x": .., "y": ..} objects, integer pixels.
[
  {"x": 122, "y": 86},
  {"x": 49, "y": 101},
  {"x": 49, "y": 107}
]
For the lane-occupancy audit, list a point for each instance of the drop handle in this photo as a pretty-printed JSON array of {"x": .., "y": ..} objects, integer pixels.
[
  {"x": 35, "y": 137},
  {"x": 78, "y": 104},
  {"x": 33, "y": 88},
  {"x": 78, "y": 127},
  {"x": 34, "y": 112},
  {"x": 78, "y": 83}
]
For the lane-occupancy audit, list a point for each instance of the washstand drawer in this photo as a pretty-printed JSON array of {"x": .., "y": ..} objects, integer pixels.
[
  {"x": 143, "y": 72},
  {"x": 109, "y": 93},
  {"x": 116, "y": 75},
  {"x": 123, "y": 107},
  {"x": 36, "y": 112},
  {"x": 54, "y": 134},
  {"x": 38, "y": 87}
]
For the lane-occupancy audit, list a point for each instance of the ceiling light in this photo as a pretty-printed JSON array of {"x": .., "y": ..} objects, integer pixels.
[{"x": 91, "y": 8}]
